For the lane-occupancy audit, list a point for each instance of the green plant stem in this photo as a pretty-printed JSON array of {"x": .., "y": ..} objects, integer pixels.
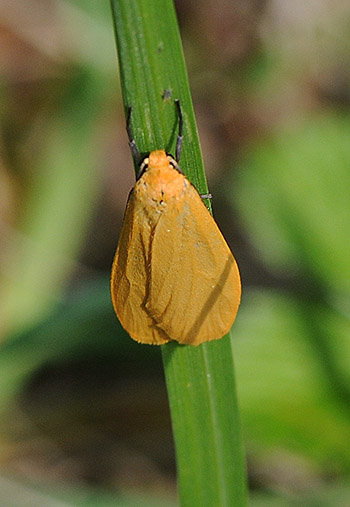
[{"x": 200, "y": 380}]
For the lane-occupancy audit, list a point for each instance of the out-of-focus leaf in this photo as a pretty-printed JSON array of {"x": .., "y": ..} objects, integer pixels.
[
  {"x": 294, "y": 199},
  {"x": 328, "y": 495},
  {"x": 60, "y": 199},
  {"x": 280, "y": 389},
  {"x": 23, "y": 495},
  {"x": 82, "y": 326}
]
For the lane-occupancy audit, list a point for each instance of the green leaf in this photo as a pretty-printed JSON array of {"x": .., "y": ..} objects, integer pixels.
[
  {"x": 69, "y": 334},
  {"x": 294, "y": 198},
  {"x": 57, "y": 207},
  {"x": 200, "y": 380},
  {"x": 287, "y": 393}
]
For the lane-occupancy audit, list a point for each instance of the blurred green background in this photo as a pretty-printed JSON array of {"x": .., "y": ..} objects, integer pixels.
[{"x": 83, "y": 409}]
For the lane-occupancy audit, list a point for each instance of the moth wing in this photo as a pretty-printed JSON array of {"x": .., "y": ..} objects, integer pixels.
[
  {"x": 195, "y": 288},
  {"x": 130, "y": 276}
]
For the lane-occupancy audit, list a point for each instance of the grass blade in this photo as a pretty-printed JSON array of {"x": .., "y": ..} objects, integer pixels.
[{"x": 200, "y": 380}]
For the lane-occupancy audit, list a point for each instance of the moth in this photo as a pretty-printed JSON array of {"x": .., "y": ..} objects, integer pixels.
[{"x": 173, "y": 276}]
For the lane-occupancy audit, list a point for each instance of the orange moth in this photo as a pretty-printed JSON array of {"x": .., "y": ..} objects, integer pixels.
[{"x": 173, "y": 276}]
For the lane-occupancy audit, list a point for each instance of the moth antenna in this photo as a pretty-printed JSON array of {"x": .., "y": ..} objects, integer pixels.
[
  {"x": 132, "y": 143},
  {"x": 179, "y": 136}
]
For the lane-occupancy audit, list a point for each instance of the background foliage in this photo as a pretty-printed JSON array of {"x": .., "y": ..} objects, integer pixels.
[{"x": 84, "y": 414}]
